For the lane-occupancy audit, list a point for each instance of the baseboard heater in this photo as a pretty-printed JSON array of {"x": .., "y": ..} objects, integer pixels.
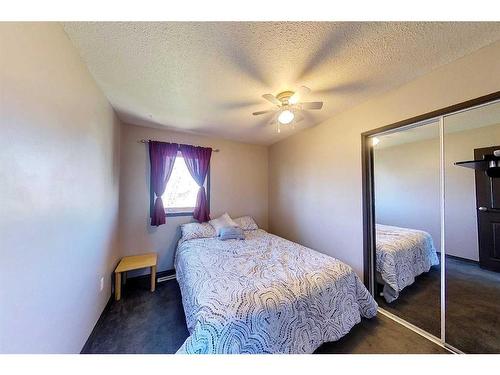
[{"x": 165, "y": 278}]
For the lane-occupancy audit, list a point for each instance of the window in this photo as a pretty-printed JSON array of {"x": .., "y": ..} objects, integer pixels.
[{"x": 181, "y": 191}]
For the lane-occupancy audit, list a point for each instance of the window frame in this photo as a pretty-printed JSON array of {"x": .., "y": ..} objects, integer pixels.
[{"x": 183, "y": 213}]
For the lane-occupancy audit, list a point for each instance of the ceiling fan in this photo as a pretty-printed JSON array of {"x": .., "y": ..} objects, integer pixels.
[{"x": 289, "y": 106}]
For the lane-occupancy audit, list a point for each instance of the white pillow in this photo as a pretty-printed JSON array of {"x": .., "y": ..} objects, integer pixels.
[
  {"x": 191, "y": 231},
  {"x": 246, "y": 223},
  {"x": 221, "y": 222}
]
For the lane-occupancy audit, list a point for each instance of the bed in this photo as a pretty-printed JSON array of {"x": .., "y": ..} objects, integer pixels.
[
  {"x": 402, "y": 254},
  {"x": 265, "y": 294}
]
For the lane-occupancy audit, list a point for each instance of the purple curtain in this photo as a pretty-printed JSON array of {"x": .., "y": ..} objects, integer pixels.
[
  {"x": 198, "y": 161},
  {"x": 162, "y": 157}
]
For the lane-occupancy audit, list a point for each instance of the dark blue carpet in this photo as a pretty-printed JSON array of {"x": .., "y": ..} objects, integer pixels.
[{"x": 147, "y": 323}]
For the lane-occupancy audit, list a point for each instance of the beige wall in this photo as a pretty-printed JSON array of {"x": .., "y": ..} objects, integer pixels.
[
  {"x": 315, "y": 175},
  {"x": 59, "y": 172},
  {"x": 238, "y": 179}
]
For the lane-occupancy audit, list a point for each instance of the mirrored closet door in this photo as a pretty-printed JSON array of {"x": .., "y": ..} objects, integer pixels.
[
  {"x": 406, "y": 170},
  {"x": 431, "y": 190},
  {"x": 472, "y": 229}
]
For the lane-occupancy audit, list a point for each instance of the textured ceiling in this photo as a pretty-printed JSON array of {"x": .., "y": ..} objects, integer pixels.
[{"x": 208, "y": 77}]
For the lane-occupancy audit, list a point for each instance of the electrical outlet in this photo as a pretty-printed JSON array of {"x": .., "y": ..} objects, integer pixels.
[{"x": 102, "y": 283}]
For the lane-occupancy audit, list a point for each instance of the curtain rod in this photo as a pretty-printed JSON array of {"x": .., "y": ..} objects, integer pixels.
[{"x": 147, "y": 140}]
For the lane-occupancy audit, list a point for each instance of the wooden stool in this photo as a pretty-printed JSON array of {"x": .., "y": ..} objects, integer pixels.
[{"x": 135, "y": 262}]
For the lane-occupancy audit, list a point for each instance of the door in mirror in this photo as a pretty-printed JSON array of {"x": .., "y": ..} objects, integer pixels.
[{"x": 472, "y": 230}]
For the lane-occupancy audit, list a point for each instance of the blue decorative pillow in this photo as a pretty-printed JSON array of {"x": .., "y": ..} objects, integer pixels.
[{"x": 231, "y": 233}]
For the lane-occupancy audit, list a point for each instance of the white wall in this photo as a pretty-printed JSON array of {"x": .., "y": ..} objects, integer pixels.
[
  {"x": 315, "y": 192},
  {"x": 59, "y": 169},
  {"x": 238, "y": 179}
]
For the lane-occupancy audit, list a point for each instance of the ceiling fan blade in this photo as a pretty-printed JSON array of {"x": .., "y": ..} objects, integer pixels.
[
  {"x": 272, "y": 99},
  {"x": 301, "y": 91},
  {"x": 262, "y": 112},
  {"x": 311, "y": 105}
]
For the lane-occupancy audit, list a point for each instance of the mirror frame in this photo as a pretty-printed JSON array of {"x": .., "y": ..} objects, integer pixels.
[{"x": 368, "y": 199}]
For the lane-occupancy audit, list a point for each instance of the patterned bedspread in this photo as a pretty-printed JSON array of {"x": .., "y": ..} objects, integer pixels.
[
  {"x": 265, "y": 295},
  {"x": 402, "y": 254}
]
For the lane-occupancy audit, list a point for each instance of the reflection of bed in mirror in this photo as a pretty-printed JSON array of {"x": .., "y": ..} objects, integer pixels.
[
  {"x": 440, "y": 175},
  {"x": 402, "y": 254}
]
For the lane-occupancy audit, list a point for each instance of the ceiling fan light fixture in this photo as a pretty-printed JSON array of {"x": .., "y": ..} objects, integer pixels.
[{"x": 286, "y": 117}]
